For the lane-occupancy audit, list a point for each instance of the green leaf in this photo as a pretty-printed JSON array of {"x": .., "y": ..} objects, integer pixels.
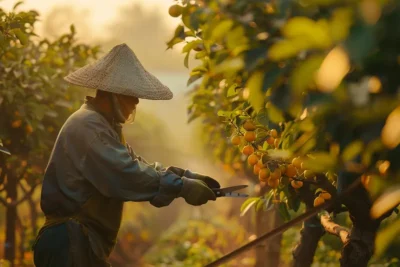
[
  {"x": 268, "y": 197},
  {"x": 260, "y": 204},
  {"x": 228, "y": 130},
  {"x": 22, "y": 37},
  {"x": 361, "y": 41},
  {"x": 194, "y": 78},
  {"x": 352, "y": 150},
  {"x": 303, "y": 75},
  {"x": 279, "y": 153},
  {"x": 386, "y": 236},
  {"x": 173, "y": 42},
  {"x": 72, "y": 28},
  {"x": 221, "y": 29},
  {"x": 255, "y": 57},
  {"x": 275, "y": 115},
  {"x": 200, "y": 69},
  {"x": 17, "y": 4},
  {"x": 190, "y": 33},
  {"x": 178, "y": 37},
  {"x": 261, "y": 136},
  {"x": 386, "y": 202},
  {"x": 294, "y": 203},
  {"x": 318, "y": 191},
  {"x": 271, "y": 76},
  {"x": 15, "y": 25},
  {"x": 232, "y": 90},
  {"x": 247, "y": 205},
  {"x": 320, "y": 162},
  {"x": 283, "y": 211},
  {"x": 190, "y": 45},
  {"x": 200, "y": 54},
  {"x": 226, "y": 114},
  {"x": 236, "y": 38},
  {"x": 265, "y": 145},
  {"x": 262, "y": 117},
  {"x": 186, "y": 61},
  {"x": 256, "y": 97},
  {"x": 230, "y": 65},
  {"x": 193, "y": 116}
]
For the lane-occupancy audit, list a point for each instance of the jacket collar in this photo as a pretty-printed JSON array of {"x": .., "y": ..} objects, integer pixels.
[{"x": 90, "y": 104}]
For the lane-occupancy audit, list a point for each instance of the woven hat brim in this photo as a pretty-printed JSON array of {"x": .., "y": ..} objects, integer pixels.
[
  {"x": 161, "y": 93},
  {"x": 120, "y": 72}
]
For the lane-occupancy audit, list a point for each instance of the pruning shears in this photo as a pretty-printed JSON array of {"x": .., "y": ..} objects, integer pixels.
[
  {"x": 229, "y": 191},
  {"x": 3, "y": 149}
]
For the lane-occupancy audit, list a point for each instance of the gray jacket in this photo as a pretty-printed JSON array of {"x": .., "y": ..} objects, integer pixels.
[{"x": 88, "y": 162}]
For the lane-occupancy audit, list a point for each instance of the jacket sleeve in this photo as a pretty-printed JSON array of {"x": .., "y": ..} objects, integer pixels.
[
  {"x": 110, "y": 168},
  {"x": 156, "y": 165}
]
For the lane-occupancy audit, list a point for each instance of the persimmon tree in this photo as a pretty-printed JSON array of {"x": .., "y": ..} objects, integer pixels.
[
  {"x": 308, "y": 92},
  {"x": 34, "y": 102}
]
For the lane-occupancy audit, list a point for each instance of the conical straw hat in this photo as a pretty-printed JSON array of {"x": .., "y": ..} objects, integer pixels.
[{"x": 120, "y": 72}]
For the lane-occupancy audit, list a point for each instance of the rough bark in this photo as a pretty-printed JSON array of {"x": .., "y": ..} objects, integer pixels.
[
  {"x": 310, "y": 234},
  {"x": 360, "y": 247},
  {"x": 312, "y": 231},
  {"x": 22, "y": 234}
]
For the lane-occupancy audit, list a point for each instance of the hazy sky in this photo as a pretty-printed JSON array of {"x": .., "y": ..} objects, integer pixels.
[
  {"x": 143, "y": 30},
  {"x": 100, "y": 12}
]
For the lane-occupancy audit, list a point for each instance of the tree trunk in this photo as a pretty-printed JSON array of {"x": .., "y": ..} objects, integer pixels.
[
  {"x": 22, "y": 233},
  {"x": 268, "y": 253},
  {"x": 358, "y": 250},
  {"x": 360, "y": 247},
  {"x": 34, "y": 215},
  {"x": 11, "y": 217},
  {"x": 312, "y": 230},
  {"x": 311, "y": 233}
]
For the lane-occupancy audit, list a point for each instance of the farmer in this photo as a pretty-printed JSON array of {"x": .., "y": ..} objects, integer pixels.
[{"x": 92, "y": 171}]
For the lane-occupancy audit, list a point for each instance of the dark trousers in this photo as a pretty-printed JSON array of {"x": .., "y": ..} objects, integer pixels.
[
  {"x": 52, "y": 248},
  {"x": 65, "y": 245}
]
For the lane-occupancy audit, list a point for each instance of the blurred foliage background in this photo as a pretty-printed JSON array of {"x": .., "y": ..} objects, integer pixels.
[{"x": 323, "y": 74}]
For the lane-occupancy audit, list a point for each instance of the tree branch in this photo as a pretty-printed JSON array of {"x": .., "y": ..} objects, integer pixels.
[
  {"x": 23, "y": 188},
  {"x": 27, "y": 195},
  {"x": 310, "y": 234},
  {"x": 308, "y": 214},
  {"x": 22, "y": 173},
  {"x": 335, "y": 229},
  {"x": 3, "y": 201}
]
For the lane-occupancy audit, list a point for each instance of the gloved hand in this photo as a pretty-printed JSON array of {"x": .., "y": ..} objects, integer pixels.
[
  {"x": 196, "y": 192},
  {"x": 212, "y": 183}
]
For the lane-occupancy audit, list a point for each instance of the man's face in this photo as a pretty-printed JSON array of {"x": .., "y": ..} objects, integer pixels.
[{"x": 128, "y": 104}]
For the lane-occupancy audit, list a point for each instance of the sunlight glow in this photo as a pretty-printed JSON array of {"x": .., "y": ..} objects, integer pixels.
[
  {"x": 333, "y": 69},
  {"x": 391, "y": 130}
]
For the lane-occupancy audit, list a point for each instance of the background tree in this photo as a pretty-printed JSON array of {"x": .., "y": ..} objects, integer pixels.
[
  {"x": 304, "y": 88},
  {"x": 34, "y": 102}
]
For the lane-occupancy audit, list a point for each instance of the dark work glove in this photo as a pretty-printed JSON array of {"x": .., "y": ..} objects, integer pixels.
[
  {"x": 212, "y": 183},
  {"x": 196, "y": 192}
]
